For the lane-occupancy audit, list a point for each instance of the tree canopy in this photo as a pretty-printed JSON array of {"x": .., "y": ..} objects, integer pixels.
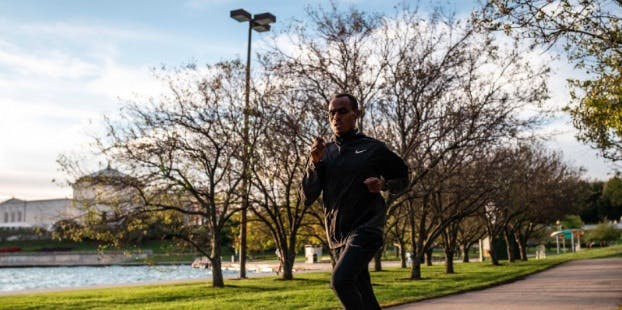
[{"x": 590, "y": 32}]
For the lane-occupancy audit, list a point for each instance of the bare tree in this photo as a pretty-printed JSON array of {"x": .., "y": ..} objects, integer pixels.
[
  {"x": 335, "y": 51},
  {"x": 281, "y": 157},
  {"x": 431, "y": 88},
  {"x": 183, "y": 152},
  {"x": 314, "y": 227},
  {"x": 448, "y": 91},
  {"x": 397, "y": 231},
  {"x": 459, "y": 197},
  {"x": 470, "y": 231},
  {"x": 541, "y": 190}
]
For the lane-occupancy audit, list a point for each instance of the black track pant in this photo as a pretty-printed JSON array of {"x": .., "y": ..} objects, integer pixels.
[{"x": 350, "y": 279}]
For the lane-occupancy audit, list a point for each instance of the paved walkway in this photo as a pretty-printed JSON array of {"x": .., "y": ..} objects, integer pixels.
[{"x": 585, "y": 284}]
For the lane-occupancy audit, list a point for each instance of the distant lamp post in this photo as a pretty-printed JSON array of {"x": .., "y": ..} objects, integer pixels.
[
  {"x": 260, "y": 23},
  {"x": 559, "y": 228}
]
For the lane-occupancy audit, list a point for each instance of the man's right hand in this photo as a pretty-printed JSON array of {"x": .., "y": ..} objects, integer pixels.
[{"x": 317, "y": 149}]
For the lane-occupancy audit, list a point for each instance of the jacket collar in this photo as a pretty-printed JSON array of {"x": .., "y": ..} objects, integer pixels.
[{"x": 347, "y": 136}]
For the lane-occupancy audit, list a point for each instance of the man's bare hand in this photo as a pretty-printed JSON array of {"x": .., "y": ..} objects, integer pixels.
[
  {"x": 374, "y": 185},
  {"x": 317, "y": 149}
]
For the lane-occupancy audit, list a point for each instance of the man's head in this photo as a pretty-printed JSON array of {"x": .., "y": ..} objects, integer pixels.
[{"x": 343, "y": 110}]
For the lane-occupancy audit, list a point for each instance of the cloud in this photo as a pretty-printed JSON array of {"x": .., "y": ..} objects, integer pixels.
[
  {"x": 90, "y": 32},
  {"x": 98, "y": 41},
  {"x": 54, "y": 64},
  {"x": 580, "y": 155},
  {"x": 116, "y": 81},
  {"x": 51, "y": 100},
  {"x": 30, "y": 185}
]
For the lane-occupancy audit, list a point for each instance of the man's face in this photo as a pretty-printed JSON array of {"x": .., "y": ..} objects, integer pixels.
[{"x": 341, "y": 115}]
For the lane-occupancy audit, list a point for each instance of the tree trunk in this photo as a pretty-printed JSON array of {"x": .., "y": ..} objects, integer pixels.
[
  {"x": 428, "y": 256},
  {"x": 522, "y": 246},
  {"x": 217, "y": 278},
  {"x": 450, "y": 248},
  {"x": 287, "y": 260},
  {"x": 288, "y": 266},
  {"x": 417, "y": 241},
  {"x": 465, "y": 257},
  {"x": 449, "y": 260},
  {"x": 415, "y": 271},
  {"x": 331, "y": 254},
  {"x": 523, "y": 252},
  {"x": 508, "y": 246},
  {"x": 417, "y": 244},
  {"x": 493, "y": 253},
  {"x": 378, "y": 259}
]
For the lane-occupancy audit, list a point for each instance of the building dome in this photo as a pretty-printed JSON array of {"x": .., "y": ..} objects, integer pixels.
[{"x": 107, "y": 176}]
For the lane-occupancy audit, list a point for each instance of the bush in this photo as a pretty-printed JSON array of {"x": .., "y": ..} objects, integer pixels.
[{"x": 603, "y": 234}]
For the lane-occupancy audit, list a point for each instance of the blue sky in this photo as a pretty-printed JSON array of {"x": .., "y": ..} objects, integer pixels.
[{"x": 65, "y": 63}]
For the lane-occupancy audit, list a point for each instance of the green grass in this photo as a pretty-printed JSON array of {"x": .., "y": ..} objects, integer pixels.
[{"x": 308, "y": 291}]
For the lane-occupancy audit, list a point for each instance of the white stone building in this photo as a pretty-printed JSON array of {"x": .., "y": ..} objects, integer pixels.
[
  {"x": 16, "y": 213},
  {"x": 107, "y": 192},
  {"x": 100, "y": 186}
]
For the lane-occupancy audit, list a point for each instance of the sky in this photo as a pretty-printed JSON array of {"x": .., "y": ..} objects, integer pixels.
[{"x": 63, "y": 64}]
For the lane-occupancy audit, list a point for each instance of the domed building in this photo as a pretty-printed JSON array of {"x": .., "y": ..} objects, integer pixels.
[{"x": 105, "y": 189}]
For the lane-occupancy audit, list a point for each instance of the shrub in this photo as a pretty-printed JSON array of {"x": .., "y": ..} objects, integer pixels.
[{"x": 603, "y": 234}]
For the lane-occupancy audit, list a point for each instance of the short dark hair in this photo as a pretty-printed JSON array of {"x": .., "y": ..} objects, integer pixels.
[{"x": 353, "y": 102}]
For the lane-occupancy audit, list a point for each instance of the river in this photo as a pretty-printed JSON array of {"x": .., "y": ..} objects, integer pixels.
[{"x": 19, "y": 279}]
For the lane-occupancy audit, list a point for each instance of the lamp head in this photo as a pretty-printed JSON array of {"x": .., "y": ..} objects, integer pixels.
[
  {"x": 264, "y": 18},
  {"x": 240, "y": 15},
  {"x": 261, "y": 28}
]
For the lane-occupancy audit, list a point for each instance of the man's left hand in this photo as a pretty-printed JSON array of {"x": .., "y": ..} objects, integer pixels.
[{"x": 374, "y": 185}]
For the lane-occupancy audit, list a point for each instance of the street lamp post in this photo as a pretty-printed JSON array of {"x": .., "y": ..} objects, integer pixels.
[
  {"x": 557, "y": 236},
  {"x": 260, "y": 23}
]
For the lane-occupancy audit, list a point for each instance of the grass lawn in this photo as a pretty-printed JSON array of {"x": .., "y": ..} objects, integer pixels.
[{"x": 308, "y": 291}]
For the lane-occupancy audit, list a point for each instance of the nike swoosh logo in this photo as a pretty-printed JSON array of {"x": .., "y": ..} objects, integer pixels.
[{"x": 359, "y": 151}]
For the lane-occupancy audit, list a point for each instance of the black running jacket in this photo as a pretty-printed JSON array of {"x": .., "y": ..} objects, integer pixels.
[{"x": 349, "y": 207}]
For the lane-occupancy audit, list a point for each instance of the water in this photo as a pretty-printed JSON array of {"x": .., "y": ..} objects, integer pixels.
[{"x": 17, "y": 279}]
